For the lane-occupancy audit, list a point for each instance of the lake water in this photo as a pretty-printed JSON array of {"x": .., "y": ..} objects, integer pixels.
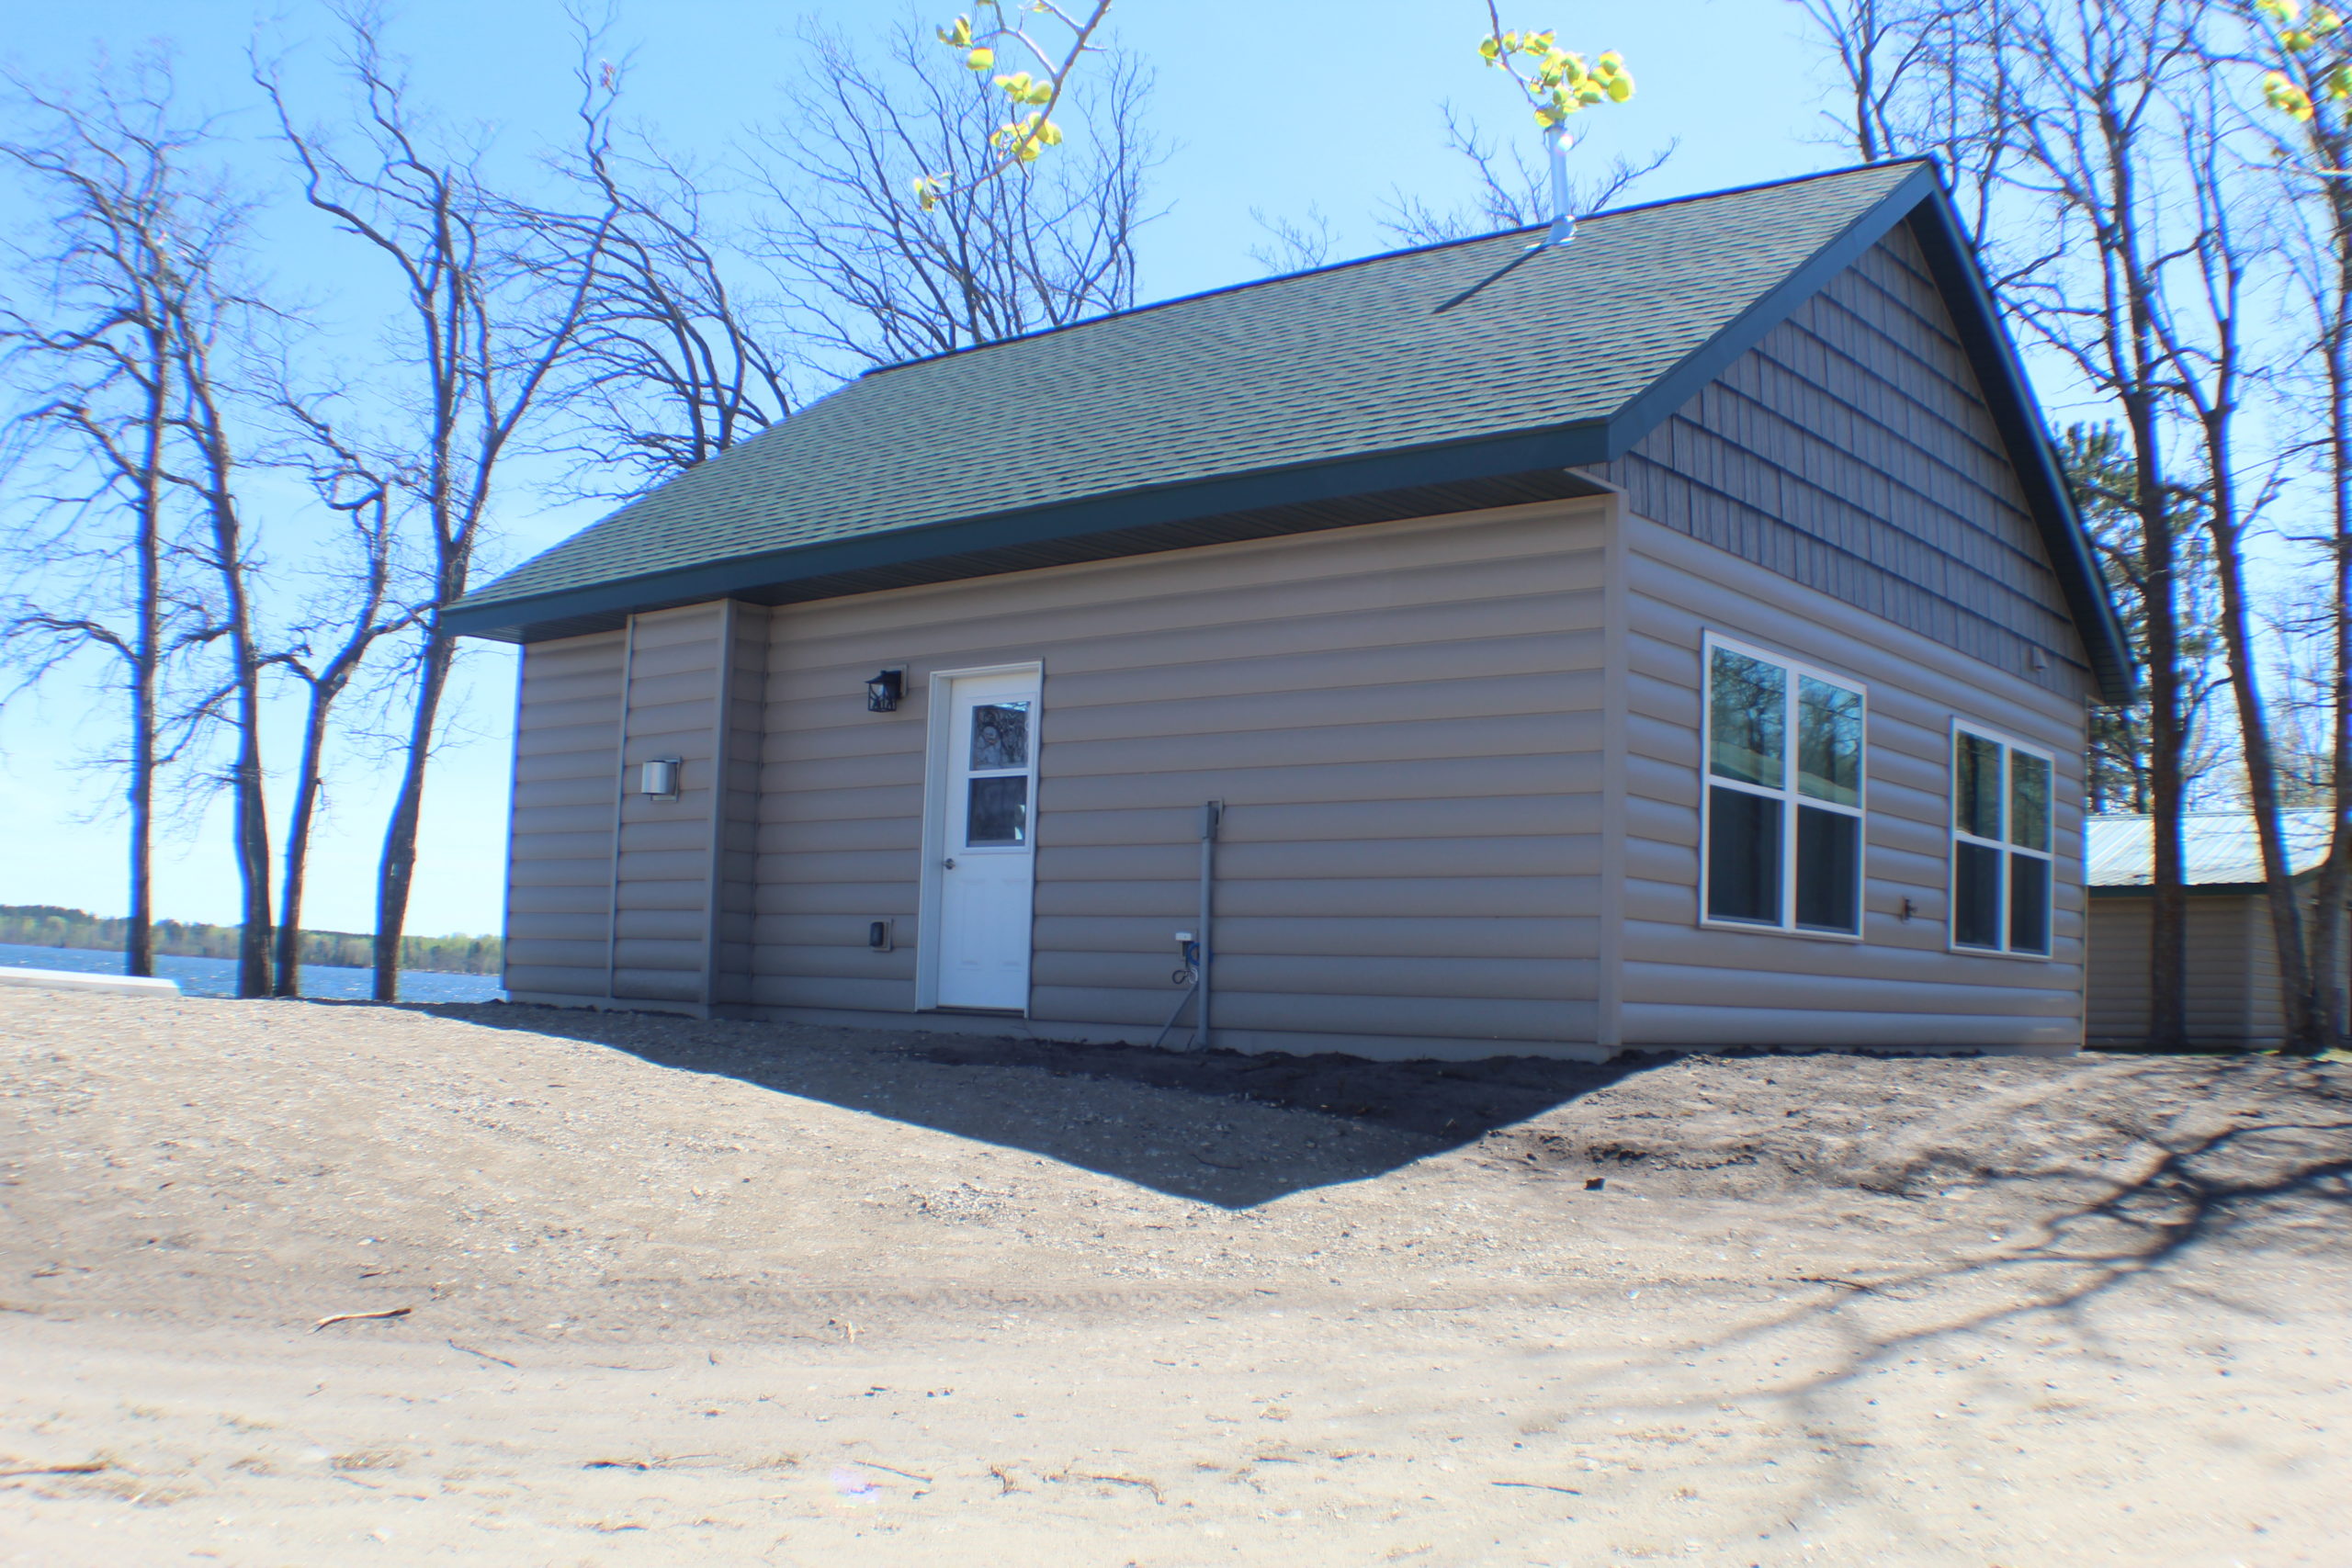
[{"x": 218, "y": 977}]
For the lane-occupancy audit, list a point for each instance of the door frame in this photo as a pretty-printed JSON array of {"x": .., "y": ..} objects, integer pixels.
[{"x": 939, "y": 699}]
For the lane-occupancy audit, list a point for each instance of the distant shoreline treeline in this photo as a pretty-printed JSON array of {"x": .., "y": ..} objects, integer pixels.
[{"x": 46, "y": 925}]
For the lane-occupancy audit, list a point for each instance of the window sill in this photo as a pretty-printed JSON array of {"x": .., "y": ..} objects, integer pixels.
[
  {"x": 1966, "y": 952},
  {"x": 1757, "y": 928}
]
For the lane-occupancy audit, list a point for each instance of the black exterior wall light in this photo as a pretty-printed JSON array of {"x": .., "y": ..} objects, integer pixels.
[{"x": 882, "y": 692}]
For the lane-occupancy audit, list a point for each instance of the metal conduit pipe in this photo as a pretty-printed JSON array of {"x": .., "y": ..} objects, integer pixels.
[
  {"x": 1212, "y": 813},
  {"x": 1195, "y": 944}
]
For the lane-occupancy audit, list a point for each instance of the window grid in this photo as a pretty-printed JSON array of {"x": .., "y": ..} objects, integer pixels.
[
  {"x": 1788, "y": 798},
  {"x": 2002, "y": 845}
]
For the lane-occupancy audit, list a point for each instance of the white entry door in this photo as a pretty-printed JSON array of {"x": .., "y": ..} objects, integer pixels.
[{"x": 985, "y": 769}]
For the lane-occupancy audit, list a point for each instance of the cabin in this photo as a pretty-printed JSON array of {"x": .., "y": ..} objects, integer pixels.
[
  {"x": 2233, "y": 992},
  {"x": 1676, "y": 638}
]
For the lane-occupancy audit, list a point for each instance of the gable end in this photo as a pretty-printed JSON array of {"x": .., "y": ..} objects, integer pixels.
[{"x": 1854, "y": 449}]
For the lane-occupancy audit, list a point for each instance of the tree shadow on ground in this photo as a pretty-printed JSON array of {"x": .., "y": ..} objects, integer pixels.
[
  {"x": 1044, "y": 1096},
  {"x": 2199, "y": 1186},
  {"x": 2221, "y": 1164}
]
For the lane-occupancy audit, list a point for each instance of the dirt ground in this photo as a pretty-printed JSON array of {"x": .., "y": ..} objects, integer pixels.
[{"x": 717, "y": 1292}]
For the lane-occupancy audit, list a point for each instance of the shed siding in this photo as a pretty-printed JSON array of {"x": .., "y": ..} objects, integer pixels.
[
  {"x": 2232, "y": 980},
  {"x": 1688, "y": 985},
  {"x": 1403, "y": 720},
  {"x": 1851, "y": 451},
  {"x": 559, "y": 845}
]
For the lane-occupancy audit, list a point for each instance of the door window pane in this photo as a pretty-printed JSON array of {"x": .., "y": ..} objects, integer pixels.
[
  {"x": 1829, "y": 741},
  {"x": 1748, "y": 702},
  {"x": 1828, "y": 861},
  {"x": 999, "y": 736},
  {"x": 997, "y": 811},
  {"x": 1976, "y": 786},
  {"x": 2029, "y": 801},
  {"x": 1975, "y": 895},
  {"x": 2029, "y": 903},
  {"x": 1743, "y": 857}
]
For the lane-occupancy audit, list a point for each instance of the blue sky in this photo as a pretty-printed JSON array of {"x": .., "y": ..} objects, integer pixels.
[{"x": 1267, "y": 106}]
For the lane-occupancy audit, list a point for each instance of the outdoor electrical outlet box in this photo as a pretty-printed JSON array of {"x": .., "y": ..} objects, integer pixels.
[
  {"x": 878, "y": 936},
  {"x": 660, "y": 778}
]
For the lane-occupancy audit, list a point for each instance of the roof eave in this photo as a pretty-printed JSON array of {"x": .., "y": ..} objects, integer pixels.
[{"x": 1555, "y": 447}]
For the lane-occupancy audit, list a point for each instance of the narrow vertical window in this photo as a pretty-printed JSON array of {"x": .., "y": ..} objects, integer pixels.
[
  {"x": 2001, "y": 845},
  {"x": 1783, "y": 798}
]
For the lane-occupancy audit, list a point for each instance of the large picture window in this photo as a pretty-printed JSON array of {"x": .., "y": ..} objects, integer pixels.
[
  {"x": 1783, "y": 827},
  {"x": 2000, "y": 844}
]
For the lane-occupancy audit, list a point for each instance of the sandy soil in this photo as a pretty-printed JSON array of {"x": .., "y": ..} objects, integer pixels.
[{"x": 727, "y": 1292}]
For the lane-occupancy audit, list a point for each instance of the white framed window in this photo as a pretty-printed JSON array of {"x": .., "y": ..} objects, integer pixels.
[
  {"x": 2000, "y": 843},
  {"x": 1781, "y": 836}
]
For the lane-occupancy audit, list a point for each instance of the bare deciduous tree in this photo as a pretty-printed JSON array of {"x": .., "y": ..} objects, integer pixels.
[
  {"x": 1935, "y": 77},
  {"x": 2202, "y": 323},
  {"x": 1513, "y": 190},
  {"x": 2105, "y": 483},
  {"x": 209, "y": 318},
  {"x": 485, "y": 324},
  {"x": 2316, "y": 144},
  {"x": 116, "y": 355},
  {"x": 672, "y": 360},
  {"x": 364, "y": 609},
  {"x": 1298, "y": 245},
  {"x": 2055, "y": 114},
  {"x": 874, "y": 275}
]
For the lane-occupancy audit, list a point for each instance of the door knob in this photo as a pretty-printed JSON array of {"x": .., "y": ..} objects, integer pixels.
[{"x": 949, "y": 863}]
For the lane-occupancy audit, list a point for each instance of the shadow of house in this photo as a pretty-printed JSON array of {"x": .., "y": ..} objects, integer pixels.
[{"x": 1217, "y": 1127}]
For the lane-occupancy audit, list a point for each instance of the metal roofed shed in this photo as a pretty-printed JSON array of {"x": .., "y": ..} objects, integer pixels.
[
  {"x": 1437, "y": 655},
  {"x": 2233, "y": 994}
]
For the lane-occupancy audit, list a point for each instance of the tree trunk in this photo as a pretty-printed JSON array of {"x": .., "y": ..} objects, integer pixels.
[
  {"x": 2333, "y": 884},
  {"x": 2168, "y": 922},
  {"x": 139, "y": 940},
  {"x": 251, "y": 821},
  {"x": 298, "y": 845},
  {"x": 250, "y": 815},
  {"x": 2261, "y": 765},
  {"x": 2330, "y": 889},
  {"x": 398, "y": 869}
]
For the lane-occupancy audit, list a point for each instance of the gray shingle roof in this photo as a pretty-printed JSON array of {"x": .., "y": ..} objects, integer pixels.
[{"x": 1340, "y": 363}]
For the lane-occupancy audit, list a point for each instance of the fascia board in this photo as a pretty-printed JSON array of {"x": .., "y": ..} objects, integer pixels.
[{"x": 1563, "y": 447}]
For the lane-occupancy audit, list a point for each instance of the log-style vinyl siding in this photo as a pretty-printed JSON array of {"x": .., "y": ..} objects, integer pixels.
[
  {"x": 743, "y": 697},
  {"x": 1852, "y": 452},
  {"x": 560, "y": 847},
  {"x": 1402, "y": 720},
  {"x": 1684, "y": 984},
  {"x": 661, "y": 899}
]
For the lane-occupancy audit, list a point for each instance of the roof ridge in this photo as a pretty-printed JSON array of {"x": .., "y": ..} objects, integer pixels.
[{"x": 1434, "y": 245}]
